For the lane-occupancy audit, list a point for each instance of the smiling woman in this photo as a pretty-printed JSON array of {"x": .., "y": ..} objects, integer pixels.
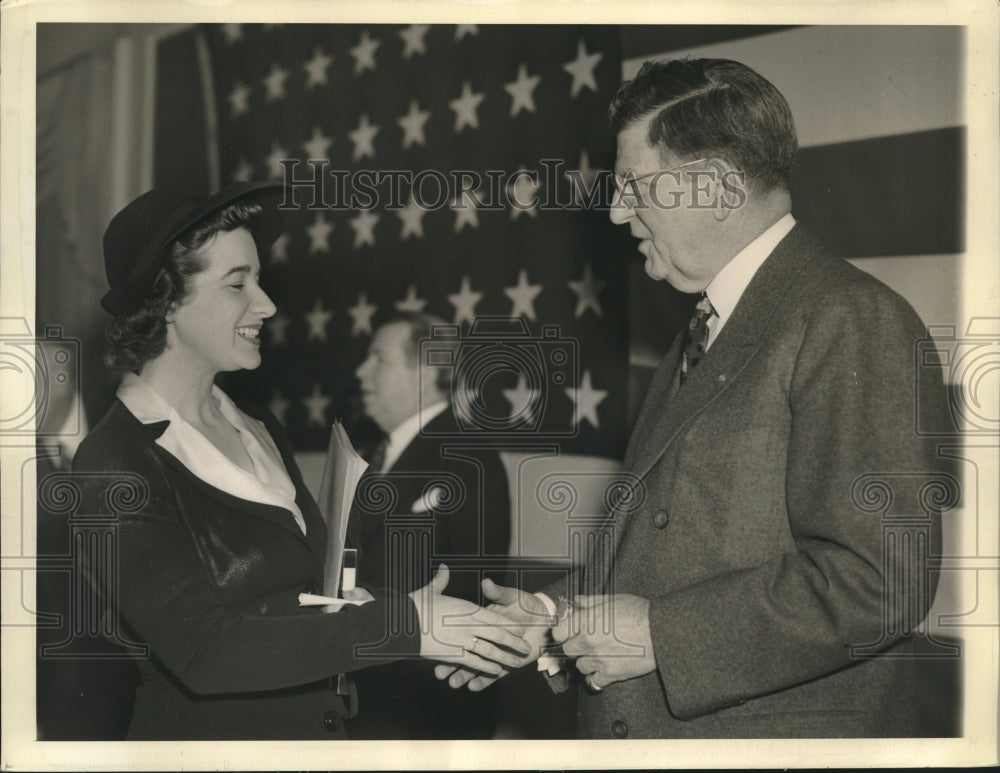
[
  {"x": 216, "y": 532},
  {"x": 218, "y": 325}
]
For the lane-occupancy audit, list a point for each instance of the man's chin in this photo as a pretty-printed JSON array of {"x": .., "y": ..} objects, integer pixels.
[{"x": 654, "y": 271}]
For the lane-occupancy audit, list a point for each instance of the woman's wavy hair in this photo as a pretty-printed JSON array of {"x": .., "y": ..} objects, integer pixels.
[{"x": 135, "y": 338}]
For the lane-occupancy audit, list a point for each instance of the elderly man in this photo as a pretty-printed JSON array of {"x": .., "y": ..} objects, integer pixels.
[
  {"x": 446, "y": 503},
  {"x": 751, "y": 589}
]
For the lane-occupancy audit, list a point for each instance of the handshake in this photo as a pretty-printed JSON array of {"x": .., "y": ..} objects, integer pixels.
[{"x": 607, "y": 636}]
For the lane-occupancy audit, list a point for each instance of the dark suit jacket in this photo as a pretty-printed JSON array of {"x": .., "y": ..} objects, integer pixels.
[
  {"x": 398, "y": 550},
  {"x": 763, "y": 533},
  {"x": 211, "y": 581}
]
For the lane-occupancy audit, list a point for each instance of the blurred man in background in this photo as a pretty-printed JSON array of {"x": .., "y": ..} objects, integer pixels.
[{"x": 448, "y": 504}]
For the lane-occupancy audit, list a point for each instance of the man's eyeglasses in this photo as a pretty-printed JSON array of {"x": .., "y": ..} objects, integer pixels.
[{"x": 630, "y": 200}]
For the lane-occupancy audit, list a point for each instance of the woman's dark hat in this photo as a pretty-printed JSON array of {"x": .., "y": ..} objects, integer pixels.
[{"x": 135, "y": 241}]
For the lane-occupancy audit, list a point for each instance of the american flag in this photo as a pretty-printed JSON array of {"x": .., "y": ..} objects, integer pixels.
[{"x": 524, "y": 108}]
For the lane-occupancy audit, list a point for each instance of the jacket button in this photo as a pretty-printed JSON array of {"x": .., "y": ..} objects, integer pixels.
[
  {"x": 619, "y": 729},
  {"x": 332, "y": 721},
  {"x": 660, "y": 519}
]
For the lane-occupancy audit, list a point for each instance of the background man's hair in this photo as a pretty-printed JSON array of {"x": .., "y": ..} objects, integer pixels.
[
  {"x": 420, "y": 326},
  {"x": 713, "y": 107}
]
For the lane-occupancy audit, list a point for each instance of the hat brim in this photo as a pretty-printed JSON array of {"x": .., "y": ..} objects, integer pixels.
[{"x": 129, "y": 295}]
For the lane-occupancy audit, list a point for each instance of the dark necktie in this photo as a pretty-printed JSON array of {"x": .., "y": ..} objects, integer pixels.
[
  {"x": 696, "y": 336},
  {"x": 378, "y": 457},
  {"x": 356, "y": 524}
]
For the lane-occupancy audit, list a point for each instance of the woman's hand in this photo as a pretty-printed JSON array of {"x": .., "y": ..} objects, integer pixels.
[
  {"x": 462, "y": 633},
  {"x": 519, "y": 606},
  {"x": 357, "y": 594}
]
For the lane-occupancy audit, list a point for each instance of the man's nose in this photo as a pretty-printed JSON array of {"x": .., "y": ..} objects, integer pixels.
[{"x": 619, "y": 212}]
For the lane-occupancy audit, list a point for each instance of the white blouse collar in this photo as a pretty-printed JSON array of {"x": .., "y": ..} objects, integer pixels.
[{"x": 269, "y": 483}]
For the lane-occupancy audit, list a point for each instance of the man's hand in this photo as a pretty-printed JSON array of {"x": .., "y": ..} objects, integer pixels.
[
  {"x": 609, "y": 636},
  {"x": 518, "y": 606},
  {"x": 453, "y": 629}
]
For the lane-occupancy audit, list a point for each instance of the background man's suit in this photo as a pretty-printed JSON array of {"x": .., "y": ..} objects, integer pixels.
[
  {"x": 404, "y": 700},
  {"x": 760, "y": 569}
]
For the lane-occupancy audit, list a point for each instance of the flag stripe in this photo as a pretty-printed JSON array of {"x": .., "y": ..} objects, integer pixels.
[
  {"x": 931, "y": 283},
  {"x": 850, "y": 83},
  {"x": 180, "y": 152},
  {"x": 650, "y": 41},
  {"x": 900, "y": 195}
]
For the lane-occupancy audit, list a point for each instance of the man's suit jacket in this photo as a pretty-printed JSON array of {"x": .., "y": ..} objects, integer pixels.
[
  {"x": 211, "y": 581},
  {"x": 762, "y": 533},
  {"x": 469, "y": 530}
]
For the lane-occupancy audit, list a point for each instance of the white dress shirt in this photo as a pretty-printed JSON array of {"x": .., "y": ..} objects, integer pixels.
[
  {"x": 727, "y": 288},
  {"x": 403, "y": 435},
  {"x": 268, "y": 484}
]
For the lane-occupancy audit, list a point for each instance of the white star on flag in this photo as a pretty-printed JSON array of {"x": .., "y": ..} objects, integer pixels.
[
  {"x": 317, "y": 319},
  {"x": 586, "y": 291},
  {"x": 522, "y": 194},
  {"x": 278, "y": 407},
  {"x": 465, "y": 108},
  {"x": 583, "y": 176},
  {"x": 364, "y": 228},
  {"x": 413, "y": 125},
  {"x": 465, "y": 301},
  {"x": 362, "y": 313},
  {"x": 316, "y": 403},
  {"x": 586, "y": 399},
  {"x": 363, "y": 138},
  {"x": 412, "y": 216},
  {"x": 413, "y": 39},
  {"x": 582, "y": 69},
  {"x": 523, "y": 295},
  {"x": 243, "y": 172},
  {"x": 232, "y": 32},
  {"x": 466, "y": 29},
  {"x": 523, "y": 401},
  {"x": 520, "y": 90},
  {"x": 279, "y": 249},
  {"x": 319, "y": 235},
  {"x": 364, "y": 53},
  {"x": 275, "y": 82},
  {"x": 316, "y": 68},
  {"x": 276, "y": 328},
  {"x": 239, "y": 98},
  {"x": 273, "y": 161},
  {"x": 411, "y": 302},
  {"x": 465, "y": 211},
  {"x": 318, "y": 146}
]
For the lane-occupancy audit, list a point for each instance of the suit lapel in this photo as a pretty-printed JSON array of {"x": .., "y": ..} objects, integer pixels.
[
  {"x": 272, "y": 513},
  {"x": 665, "y": 412},
  {"x": 660, "y": 389}
]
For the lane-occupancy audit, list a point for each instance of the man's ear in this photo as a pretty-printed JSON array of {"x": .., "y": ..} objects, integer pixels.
[
  {"x": 428, "y": 381},
  {"x": 724, "y": 199}
]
